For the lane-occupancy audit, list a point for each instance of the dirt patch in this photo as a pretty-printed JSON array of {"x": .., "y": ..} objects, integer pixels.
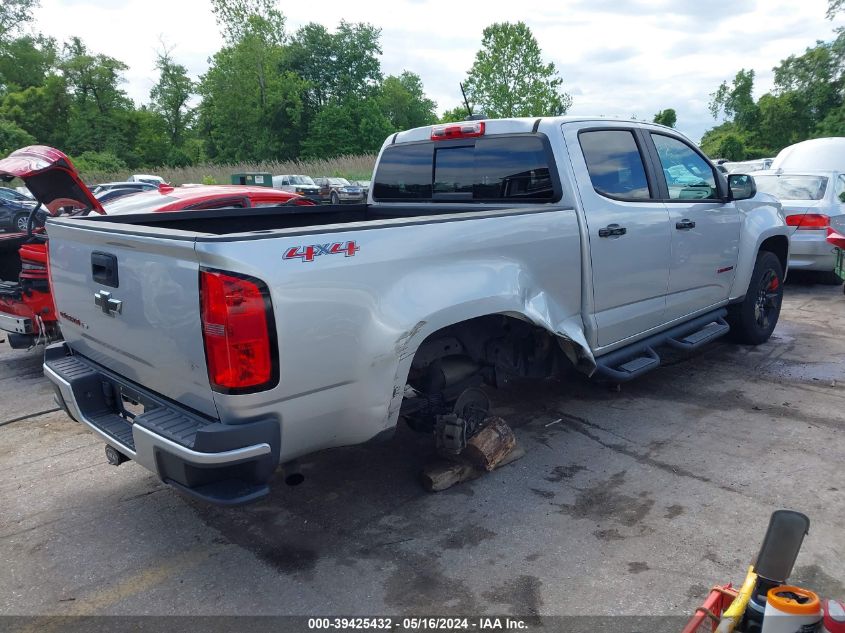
[
  {"x": 673, "y": 511},
  {"x": 604, "y": 501},
  {"x": 522, "y": 594},
  {"x": 466, "y": 536},
  {"x": 559, "y": 473},
  {"x": 637, "y": 567}
]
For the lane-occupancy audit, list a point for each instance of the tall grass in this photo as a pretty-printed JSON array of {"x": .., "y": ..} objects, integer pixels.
[{"x": 351, "y": 167}]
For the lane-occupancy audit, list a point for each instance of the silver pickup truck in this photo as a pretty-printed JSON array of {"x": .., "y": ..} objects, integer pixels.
[{"x": 212, "y": 346}]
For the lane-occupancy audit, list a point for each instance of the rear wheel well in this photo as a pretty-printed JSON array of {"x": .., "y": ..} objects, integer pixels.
[
  {"x": 496, "y": 345},
  {"x": 779, "y": 245}
]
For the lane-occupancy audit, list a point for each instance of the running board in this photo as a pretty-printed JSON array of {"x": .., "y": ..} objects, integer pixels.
[
  {"x": 629, "y": 362},
  {"x": 701, "y": 337}
]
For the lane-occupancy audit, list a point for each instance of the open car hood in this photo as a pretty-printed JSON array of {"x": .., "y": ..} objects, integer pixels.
[{"x": 51, "y": 177}]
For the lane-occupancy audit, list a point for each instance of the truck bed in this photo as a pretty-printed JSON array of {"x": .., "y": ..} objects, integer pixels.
[{"x": 234, "y": 221}]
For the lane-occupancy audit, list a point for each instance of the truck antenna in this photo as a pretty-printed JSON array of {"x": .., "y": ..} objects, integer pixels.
[{"x": 466, "y": 101}]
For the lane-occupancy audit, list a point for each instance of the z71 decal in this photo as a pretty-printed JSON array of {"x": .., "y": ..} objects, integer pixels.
[{"x": 308, "y": 253}]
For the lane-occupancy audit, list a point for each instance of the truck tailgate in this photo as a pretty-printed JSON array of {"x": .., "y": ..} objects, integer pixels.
[{"x": 140, "y": 317}]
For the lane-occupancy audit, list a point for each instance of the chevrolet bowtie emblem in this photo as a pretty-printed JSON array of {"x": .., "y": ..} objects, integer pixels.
[{"x": 109, "y": 306}]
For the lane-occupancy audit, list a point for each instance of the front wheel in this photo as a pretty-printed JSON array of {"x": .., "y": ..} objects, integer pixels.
[
  {"x": 754, "y": 319},
  {"x": 334, "y": 198}
]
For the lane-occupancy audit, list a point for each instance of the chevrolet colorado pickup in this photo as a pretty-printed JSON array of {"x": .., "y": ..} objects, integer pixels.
[{"x": 211, "y": 349}]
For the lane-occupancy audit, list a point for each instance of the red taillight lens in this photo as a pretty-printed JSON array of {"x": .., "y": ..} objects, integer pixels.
[
  {"x": 457, "y": 130},
  {"x": 238, "y": 331},
  {"x": 813, "y": 221}
]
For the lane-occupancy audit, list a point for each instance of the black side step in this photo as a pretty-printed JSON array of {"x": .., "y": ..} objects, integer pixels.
[
  {"x": 701, "y": 337},
  {"x": 634, "y": 360}
]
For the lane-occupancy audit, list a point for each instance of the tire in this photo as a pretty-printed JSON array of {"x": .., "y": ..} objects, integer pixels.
[
  {"x": 334, "y": 198},
  {"x": 828, "y": 278},
  {"x": 20, "y": 222},
  {"x": 754, "y": 319}
]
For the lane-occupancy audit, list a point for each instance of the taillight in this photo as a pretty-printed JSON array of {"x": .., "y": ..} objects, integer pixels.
[
  {"x": 813, "y": 221},
  {"x": 457, "y": 130},
  {"x": 238, "y": 332}
]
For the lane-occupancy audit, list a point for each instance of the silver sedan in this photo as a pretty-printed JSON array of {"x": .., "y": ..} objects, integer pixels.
[{"x": 812, "y": 202}]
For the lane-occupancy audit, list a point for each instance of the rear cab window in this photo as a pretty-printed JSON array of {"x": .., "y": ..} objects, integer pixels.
[{"x": 512, "y": 168}]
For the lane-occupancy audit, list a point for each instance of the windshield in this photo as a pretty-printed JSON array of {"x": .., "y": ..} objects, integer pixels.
[
  {"x": 339, "y": 182},
  {"x": 138, "y": 203},
  {"x": 787, "y": 187},
  {"x": 301, "y": 180}
]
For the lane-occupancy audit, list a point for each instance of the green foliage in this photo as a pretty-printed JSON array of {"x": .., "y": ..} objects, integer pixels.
[
  {"x": 455, "y": 115},
  {"x": 666, "y": 117},
  {"x": 99, "y": 162},
  {"x": 12, "y": 137},
  {"x": 404, "y": 103},
  {"x": 26, "y": 61},
  {"x": 14, "y": 14},
  {"x": 209, "y": 180},
  {"x": 807, "y": 102},
  {"x": 347, "y": 128},
  {"x": 509, "y": 78},
  {"x": 249, "y": 19},
  {"x": 736, "y": 100},
  {"x": 170, "y": 97},
  {"x": 42, "y": 111}
]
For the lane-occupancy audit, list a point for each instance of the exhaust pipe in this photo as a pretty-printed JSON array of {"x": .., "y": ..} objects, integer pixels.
[{"x": 293, "y": 475}]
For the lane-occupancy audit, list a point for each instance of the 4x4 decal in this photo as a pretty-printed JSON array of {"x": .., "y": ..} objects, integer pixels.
[{"x": 308, "y": 253}]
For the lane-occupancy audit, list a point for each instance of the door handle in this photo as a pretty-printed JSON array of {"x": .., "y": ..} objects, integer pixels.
[
  {"x": 612, "y": 230},
  {"x": 685, "y": 225},
  {"x": 104, "y": 269}
]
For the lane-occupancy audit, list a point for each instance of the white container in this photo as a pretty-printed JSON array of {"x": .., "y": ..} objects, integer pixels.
[{"x": 791, "y": 610}]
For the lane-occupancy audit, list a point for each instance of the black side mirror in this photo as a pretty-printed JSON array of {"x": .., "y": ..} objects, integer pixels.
[{"x": 741, "y": 187}]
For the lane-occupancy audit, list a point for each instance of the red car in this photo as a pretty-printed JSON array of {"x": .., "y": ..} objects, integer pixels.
[{"x": 27, "y": 312}]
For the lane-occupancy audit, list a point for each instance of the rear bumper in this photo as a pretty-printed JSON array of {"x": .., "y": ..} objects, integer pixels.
[
  {"x": 16, "y": 324},
  {"x": 810, "y": 250},
  {"x": 218, "y": 463}
]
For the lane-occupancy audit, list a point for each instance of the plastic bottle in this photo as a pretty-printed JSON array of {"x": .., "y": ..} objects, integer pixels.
[{"x": 791, "y": 610}]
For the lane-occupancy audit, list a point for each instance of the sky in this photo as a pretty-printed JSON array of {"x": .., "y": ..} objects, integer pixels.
[{"x": 617, "y": 57}]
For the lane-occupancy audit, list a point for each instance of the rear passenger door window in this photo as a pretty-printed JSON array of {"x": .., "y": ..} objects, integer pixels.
[
  {"x": 615, "y": 164},
  {"x": 688, "y": 175}
]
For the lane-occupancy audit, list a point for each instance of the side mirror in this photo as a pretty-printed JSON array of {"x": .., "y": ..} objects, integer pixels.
[{"x": 741, "y": 187}]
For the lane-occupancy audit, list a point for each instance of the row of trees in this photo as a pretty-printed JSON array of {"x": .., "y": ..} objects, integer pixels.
[
  {"x": 808, "y": 101},
  {"x": 267, "y": 95}
]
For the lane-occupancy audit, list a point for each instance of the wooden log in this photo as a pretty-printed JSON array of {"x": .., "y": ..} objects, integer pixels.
[
  {"x": 491, "y": 444},
  {"x": 445, "y": 474}
]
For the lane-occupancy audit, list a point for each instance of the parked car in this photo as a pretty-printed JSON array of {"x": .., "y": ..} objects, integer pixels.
[
  {"x": 747, "y": 166},
  {"x": 303, "y": 185},
  {"x": 27, "y": 312},
  {"x": 194, "y": 197},
  {"x": 107, "y": 195},
  {"x": 339, "y": 190},
  {"x": 813, "y": 202},
  {"x": 7, "y": 193},
  {"x": 14, "y": 212},
  {"x": 364, "y": 184},
  {"x": 147, "y": 178},
  {"x": 530, "y": 246},
  {"x": 128, "y": 184},
  {"x": 818, "y": 154}
]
